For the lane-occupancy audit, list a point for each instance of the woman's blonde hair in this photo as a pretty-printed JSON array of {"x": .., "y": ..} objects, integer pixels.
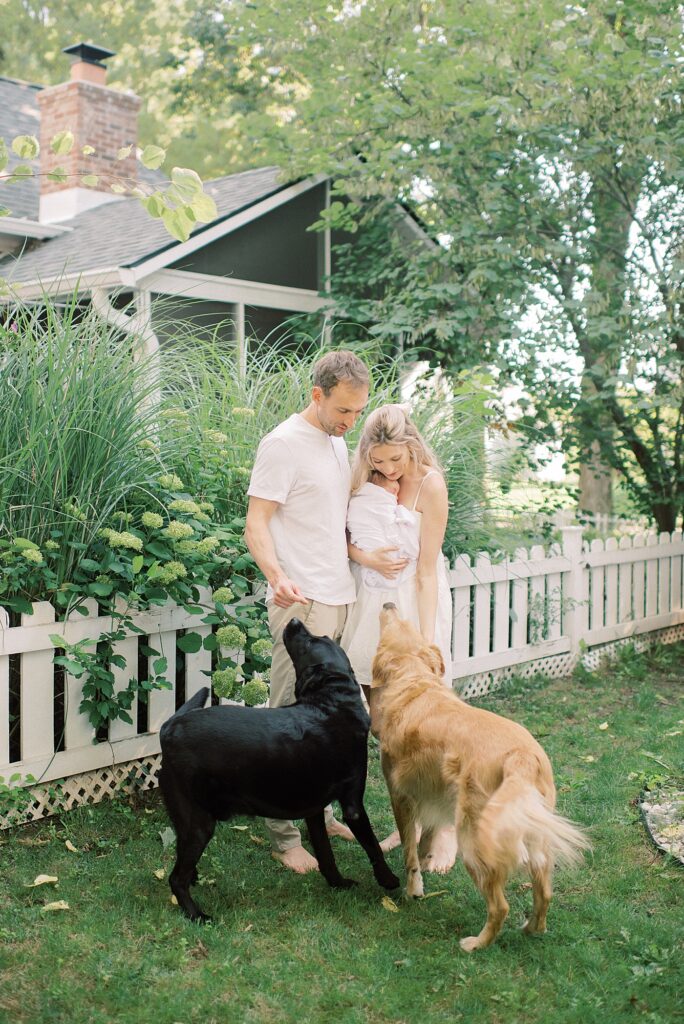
[{"x": 389, "y": 424}]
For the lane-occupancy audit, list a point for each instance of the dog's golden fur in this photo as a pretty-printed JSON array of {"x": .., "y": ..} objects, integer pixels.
[{"x": 446, "y": 761}]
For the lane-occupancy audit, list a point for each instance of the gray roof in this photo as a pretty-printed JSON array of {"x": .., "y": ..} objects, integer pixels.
[
  {"x": 19, "y": 116},
  {"x": 118, "y": 233}
]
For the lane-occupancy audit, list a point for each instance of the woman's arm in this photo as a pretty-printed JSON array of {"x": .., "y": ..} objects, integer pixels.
[
  {"x": 382, "y": 560},
  {"x": 435, "y": 509}
]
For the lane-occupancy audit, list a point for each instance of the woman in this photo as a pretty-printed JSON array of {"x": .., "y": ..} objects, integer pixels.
[{"x": 392, "y": 445}]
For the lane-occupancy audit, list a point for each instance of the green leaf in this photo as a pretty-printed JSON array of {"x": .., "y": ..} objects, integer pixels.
[
  {"x": 124, "y": 152},
  {"x": 187, "y": 182},
  {"x": 26, "y": 147},
  {"x": 159, "y": 666},
  {"x": 62, "y": 143},
  {"x": 100, "y": 589},
  {"x": 23, "y": 544},
  {"x": 90, "y": 180},
  {"x": 4, "y": 155},
  {"x": 152, "y": 157},
  {"x": 4, "y": 211},
  {"x": 190, "y": 643},
  {"x": 88, "y": 150},
  {"x": 58, "y": 174},
  {"x": 137, "y": 563},
  {"x": 178, "y": 224},
  {"x": 204, "y": 208},
  {"x": 154, "y": 204}
]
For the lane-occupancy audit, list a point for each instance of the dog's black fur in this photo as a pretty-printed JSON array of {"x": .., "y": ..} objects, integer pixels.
[{"x": 273, "y": 762}]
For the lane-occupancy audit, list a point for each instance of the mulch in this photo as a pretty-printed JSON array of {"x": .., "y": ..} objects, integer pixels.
[{"x": 663, "y": 814}]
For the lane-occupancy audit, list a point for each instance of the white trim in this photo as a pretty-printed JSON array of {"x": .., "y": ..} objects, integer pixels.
[
  {"x": 25, "y": 228},
  {"x": 188, "y": 284},
  {"x": 105, "y": 277},
  {"x": 225, "y": 226}
]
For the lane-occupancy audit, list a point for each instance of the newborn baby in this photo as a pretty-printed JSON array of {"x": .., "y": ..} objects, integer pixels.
[{"x": 375, "y": 519}]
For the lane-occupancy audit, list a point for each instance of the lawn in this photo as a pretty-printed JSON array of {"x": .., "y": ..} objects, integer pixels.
[{"x": 288, "y": 949}]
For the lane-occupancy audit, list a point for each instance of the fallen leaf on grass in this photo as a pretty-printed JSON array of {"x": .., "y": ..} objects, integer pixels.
[
  {"x": 160, "y": 874},
  {"x": 33, "y": 842},
  {"x": 168, "y": 838},
  {"x": 440, "y": 892},
  {"x": 257, "y": 839},
  {"x": 239, "y": 828},
  {"x": 57, "y": 905},
  {"x": 603, "y": 725},
  {"x": 389, "y": 904},
  {"x": 174, "y": 900},
  {"x": 589, "y": 759},
  {"x": 70, "y": 846},
  {"x": 42, "y": 880}
]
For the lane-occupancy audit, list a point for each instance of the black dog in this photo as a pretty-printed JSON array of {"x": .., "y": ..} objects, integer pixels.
[{"x": 273, "y": 762}]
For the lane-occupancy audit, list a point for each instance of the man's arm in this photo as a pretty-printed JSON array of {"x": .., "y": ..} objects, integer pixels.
[{"x": 260, "y": 543}]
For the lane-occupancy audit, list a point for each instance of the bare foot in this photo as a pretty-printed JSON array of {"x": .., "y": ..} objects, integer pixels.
[
  {"x": 394, "y": 839},
  {"x": 442, "y": 855},
  {"x": 297, "y": 859},
  {"x": 391, "y": 842},
  {"x": 338, "y": 828}
]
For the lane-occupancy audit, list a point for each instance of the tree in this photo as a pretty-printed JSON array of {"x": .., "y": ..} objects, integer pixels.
[{"x": 541, "y": 143}]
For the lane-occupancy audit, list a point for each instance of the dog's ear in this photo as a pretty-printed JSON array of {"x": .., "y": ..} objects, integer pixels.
[
  {"x": 379, "y": 673},
  {"x": 433, "y": 657}
]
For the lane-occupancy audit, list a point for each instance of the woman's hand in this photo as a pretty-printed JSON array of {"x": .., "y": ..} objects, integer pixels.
[{"x": 384, "y": 561}]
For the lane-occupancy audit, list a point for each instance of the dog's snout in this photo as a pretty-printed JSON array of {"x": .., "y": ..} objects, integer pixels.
[{"x": 389, "y": 606}]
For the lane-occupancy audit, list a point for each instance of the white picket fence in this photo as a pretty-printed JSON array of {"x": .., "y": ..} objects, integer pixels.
[{"x": 539, "y": 611}]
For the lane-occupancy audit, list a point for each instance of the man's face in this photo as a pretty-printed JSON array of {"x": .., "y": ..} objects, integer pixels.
[{"x": 338, "y": 412}]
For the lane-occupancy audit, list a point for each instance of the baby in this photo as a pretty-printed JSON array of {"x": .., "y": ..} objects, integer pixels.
[{"x": 375, "y": 519}]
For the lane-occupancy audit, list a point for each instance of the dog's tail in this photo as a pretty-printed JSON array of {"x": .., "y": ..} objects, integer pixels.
[
  {"x": 517, "y": 828},
  {"x": 197, "y": 701}
]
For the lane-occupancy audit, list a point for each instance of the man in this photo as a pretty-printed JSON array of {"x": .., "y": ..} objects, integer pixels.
[{"x": 295, "y": 531}]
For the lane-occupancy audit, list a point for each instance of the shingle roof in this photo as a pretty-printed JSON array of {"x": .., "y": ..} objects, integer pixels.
[
  {"x": 121, "y": 234},
  {"x": 19, "y": 116},
  {"x": 117, "y": 233}
]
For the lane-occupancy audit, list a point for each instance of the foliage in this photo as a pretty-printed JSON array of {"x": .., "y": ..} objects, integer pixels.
[
  {"x": 90, "y": 506},
  {"x": 541, "y": 146},
  {"x": 181, "y": 203}
]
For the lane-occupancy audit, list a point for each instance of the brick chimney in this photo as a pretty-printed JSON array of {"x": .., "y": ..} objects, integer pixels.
[{"x": 103, "y": 118}]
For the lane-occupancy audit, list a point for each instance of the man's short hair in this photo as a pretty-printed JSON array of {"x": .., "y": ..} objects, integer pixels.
[{"x": 335, "y": 367}]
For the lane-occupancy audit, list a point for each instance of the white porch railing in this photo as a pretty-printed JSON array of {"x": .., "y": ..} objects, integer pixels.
[{"x": 540, "y": 611}]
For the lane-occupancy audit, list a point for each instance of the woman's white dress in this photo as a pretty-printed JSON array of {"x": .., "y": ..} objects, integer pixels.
[{"x": 362, "y": 629}]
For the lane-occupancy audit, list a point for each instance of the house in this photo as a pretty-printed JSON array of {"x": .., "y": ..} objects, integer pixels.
[{"x": 249, "y": 270}]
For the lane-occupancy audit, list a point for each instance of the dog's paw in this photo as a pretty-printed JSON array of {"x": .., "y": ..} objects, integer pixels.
[
  {"x": 471, "y": 943},
  {"x": 342, "y": 883},
  {"x": 532, "y": 928},
  {"x": 389, "y": 881},
  {"x": 414, "y": 887}
]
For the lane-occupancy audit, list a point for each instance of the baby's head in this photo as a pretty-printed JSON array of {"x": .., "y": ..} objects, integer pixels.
[{"x": 381, "y": 481}]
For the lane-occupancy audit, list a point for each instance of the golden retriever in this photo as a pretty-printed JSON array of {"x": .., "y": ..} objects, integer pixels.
[{"x": 445, "y": 761}]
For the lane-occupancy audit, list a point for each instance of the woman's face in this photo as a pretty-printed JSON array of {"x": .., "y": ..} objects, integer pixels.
[{"x": 392, "y": 460}]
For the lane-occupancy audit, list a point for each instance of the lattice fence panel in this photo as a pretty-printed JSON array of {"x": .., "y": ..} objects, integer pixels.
[
  {"x": 87, "y": 788},
  {"x": 563, "y": 664}
]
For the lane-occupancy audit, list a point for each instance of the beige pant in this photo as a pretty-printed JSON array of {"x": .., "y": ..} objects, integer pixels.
[{"x": 321, "y": 620}]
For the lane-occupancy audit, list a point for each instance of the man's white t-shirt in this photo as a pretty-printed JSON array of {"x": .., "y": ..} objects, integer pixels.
[{"x": 307, "y": 472}]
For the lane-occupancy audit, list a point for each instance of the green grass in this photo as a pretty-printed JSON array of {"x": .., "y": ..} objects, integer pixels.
[{"x": 288, "y": 949}]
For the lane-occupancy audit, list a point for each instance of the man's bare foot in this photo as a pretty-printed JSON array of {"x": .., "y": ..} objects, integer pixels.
[
  {"x": 338, "y": 828},
  {"x": 442, "y": 855},
  {"x": 297, "y": 859}
]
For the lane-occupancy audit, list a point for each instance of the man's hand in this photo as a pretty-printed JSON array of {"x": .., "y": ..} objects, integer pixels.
[
  {"x": 382, "y": 561},
  {"x": 286, "y": 593}
]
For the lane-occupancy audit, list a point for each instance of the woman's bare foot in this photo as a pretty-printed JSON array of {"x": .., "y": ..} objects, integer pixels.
[
  {"x": 297, "y": 859},
  {"x": 338, "y": 828},
  {"x": 442, "y": 855},
  {"x": 394, "y": 839}
]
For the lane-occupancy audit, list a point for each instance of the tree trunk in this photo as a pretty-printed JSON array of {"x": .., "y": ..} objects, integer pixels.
[{"x": 596, "y": 484}]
